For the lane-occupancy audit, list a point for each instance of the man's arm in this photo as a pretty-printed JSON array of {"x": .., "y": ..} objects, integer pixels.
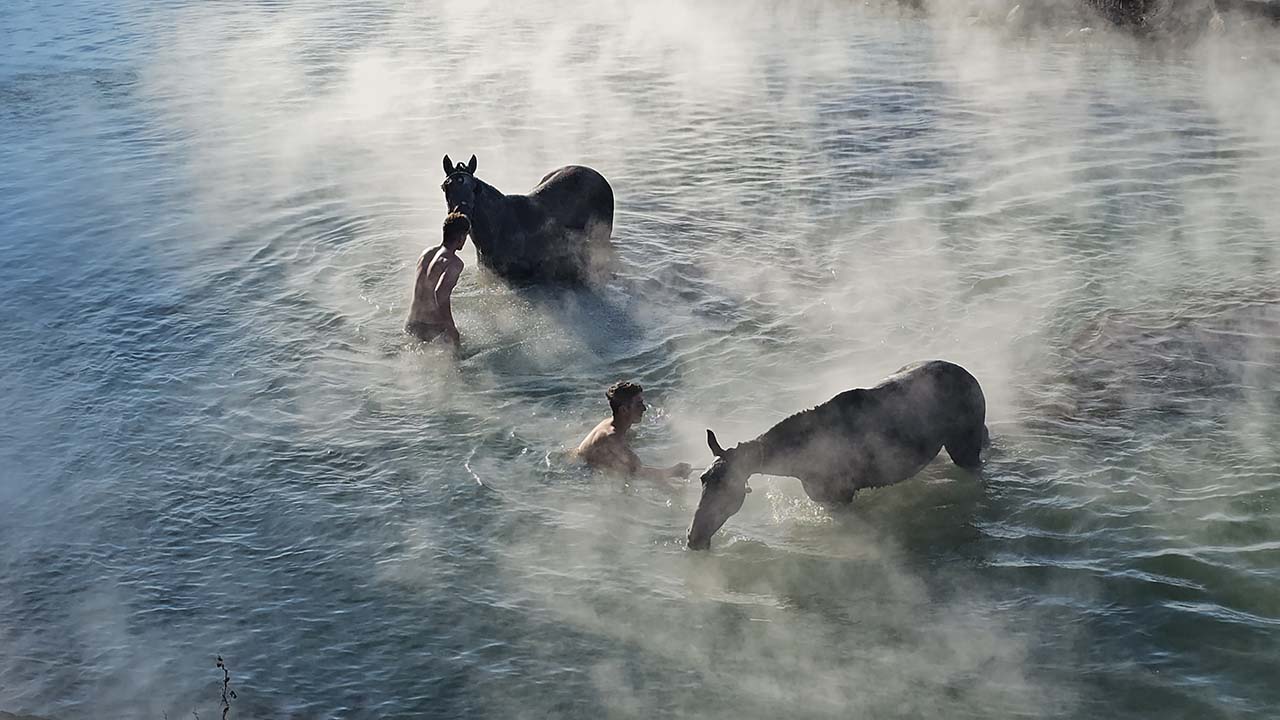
[
  {"x": 420, "y": 272},
  {"x": 609, "y": 454},
  {"x": 444, "y": 293},
  {"x": 424, "y": 260},
  {"x": 639, "y": 469}
]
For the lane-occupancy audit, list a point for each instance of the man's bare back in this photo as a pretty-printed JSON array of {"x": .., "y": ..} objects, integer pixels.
[{"x": 436, "y": 274}]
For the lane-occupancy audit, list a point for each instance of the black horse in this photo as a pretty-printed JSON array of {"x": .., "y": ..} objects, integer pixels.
[
  {"x": 859, "y": 438},
  {"x": 559, "y": 232}
]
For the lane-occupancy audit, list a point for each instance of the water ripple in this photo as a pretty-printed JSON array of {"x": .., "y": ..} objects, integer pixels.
[{"x": 219, "y": 441}]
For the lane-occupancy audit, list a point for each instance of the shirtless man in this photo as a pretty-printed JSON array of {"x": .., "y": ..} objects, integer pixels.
[
  {"x": 606, "y": 446},
  {"x": 430, "y": 313}
]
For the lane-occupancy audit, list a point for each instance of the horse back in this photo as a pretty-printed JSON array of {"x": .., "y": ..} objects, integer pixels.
[
  {"x": 576, "y": 196},
  {"x": 933, "y": 398}
]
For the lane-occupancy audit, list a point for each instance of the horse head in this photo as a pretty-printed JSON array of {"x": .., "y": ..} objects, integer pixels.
[
  {"x": 460, "y": 185},
  {"x": 724, "y": 488}
]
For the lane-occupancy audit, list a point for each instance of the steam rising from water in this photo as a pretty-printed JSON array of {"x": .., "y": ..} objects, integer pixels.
[{"x": 809, "y": 196}]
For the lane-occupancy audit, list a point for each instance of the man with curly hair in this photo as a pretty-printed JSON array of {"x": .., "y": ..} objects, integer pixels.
[{"x": 606, "y": 446}]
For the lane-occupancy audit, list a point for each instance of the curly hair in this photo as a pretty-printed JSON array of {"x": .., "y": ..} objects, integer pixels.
[
  {"x": 456, "y": 225},
  {"x": 621, "y": 392}
]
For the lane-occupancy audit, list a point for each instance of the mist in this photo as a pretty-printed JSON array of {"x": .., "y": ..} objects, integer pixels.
[{"x": 808, "y": 197}]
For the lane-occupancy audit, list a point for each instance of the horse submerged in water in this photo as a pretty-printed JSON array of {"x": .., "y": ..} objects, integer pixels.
[
  {"x": 559, "y": 232},
  {"x": 860, "y": 438}
]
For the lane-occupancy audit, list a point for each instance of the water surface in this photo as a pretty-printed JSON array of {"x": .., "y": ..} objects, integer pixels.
[{"x": 219, "y": 442}]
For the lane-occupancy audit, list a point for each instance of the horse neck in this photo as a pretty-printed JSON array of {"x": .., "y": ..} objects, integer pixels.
[
  {"x": 486, "y": 213},
  {"x": 755, "y": 456},
  {"x": 781, "y": 444}
]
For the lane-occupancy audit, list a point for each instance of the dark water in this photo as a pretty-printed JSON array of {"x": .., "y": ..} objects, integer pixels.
[{"x": 218, "y": 442}]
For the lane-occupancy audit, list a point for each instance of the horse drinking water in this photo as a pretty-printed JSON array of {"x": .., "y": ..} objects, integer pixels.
[{"x": 860, "y": 438}]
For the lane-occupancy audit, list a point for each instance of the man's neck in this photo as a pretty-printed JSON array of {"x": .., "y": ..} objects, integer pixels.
[{"x": 621, "y": 424}]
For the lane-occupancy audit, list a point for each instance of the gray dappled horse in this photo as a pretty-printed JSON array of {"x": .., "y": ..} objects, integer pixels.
[
  {"x": 860, "y": 438},
  {"x": 559, "y": 232}
]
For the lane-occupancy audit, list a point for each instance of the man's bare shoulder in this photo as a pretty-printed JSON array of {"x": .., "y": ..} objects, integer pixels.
[
  {"x": 427, "y": 257},
  {"x": 446, "y": 263},
  {"x": 602, "y": 434},
  {"x": 602, "y": 431}
]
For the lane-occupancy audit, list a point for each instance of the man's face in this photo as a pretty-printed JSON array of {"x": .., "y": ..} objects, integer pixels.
[{"x": 636, "y": 407}]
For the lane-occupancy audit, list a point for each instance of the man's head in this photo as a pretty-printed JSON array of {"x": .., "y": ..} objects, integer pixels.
[
  {"x": 626, "y": 401},
  {"x": 456, "y": 227}
]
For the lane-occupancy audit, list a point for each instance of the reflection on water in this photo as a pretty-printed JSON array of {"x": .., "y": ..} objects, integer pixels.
[{"x": 219, "y": 442}]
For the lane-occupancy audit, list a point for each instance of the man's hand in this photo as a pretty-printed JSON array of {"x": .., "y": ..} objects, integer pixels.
[{"x": 681, "y": 470}]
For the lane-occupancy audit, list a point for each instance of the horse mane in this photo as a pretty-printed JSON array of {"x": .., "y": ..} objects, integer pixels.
[
  {"x": 487, "y": 222},
  {"x": 486, "y": 187},
  {"x": 792, "y": 432}
]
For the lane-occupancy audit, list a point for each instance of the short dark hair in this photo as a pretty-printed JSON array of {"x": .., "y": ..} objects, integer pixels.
[
  {"x": 621, "y": 392},
  {"x": 456, "y": 225}
]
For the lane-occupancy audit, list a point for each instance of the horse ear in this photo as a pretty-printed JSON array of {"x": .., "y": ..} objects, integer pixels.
[
  {"x": 448, "y": 165},
  {"x": 471, "y": 166},
  {"x": 714, "y": 444}
]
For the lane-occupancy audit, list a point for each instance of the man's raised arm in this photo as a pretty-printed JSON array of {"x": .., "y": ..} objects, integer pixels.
[{"x": 443, "y": 295}]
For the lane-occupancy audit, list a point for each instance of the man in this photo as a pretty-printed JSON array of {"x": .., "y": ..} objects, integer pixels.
[
  {"x": 606, "y": 446},
  {"x": 430, "y": 313}
]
